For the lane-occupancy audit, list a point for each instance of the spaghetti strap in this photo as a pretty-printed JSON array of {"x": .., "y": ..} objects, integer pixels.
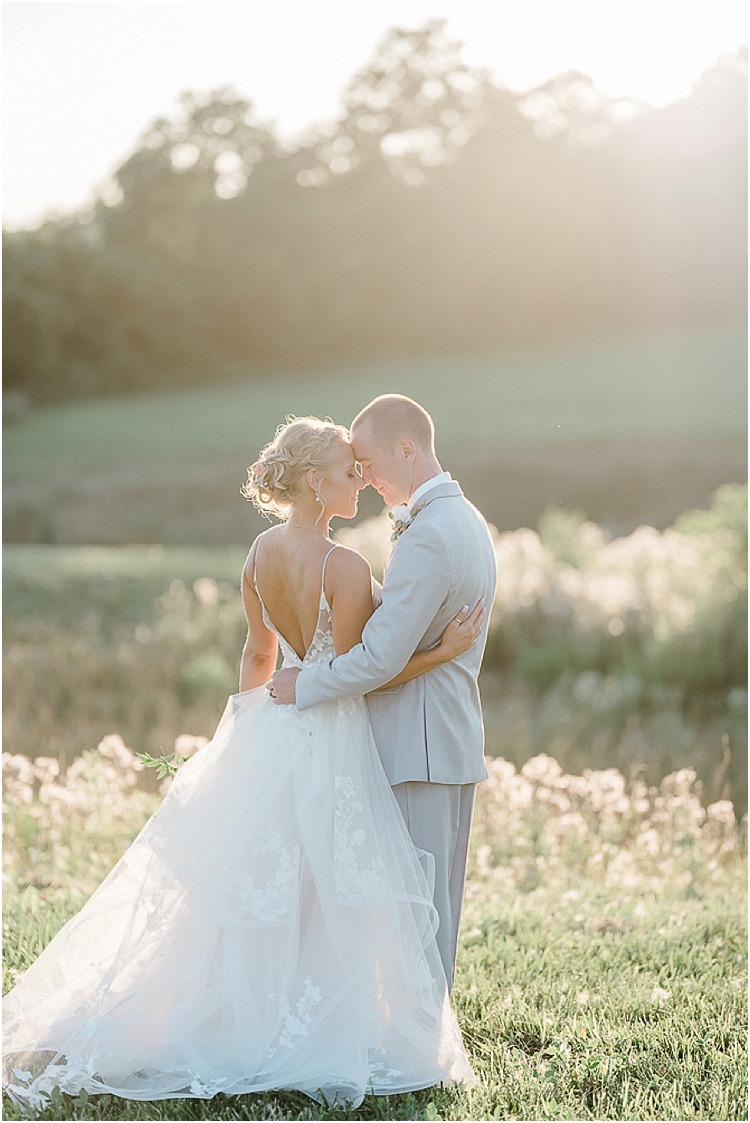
[
  {"x": 323, "y": 597},
  {"x": 325, "y": 559},
  {"x": 253, "y": 580},
  {"x": 266, "y": 618}
]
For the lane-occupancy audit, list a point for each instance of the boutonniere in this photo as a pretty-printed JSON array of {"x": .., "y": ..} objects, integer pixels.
[{"x": 402, "y": 516}]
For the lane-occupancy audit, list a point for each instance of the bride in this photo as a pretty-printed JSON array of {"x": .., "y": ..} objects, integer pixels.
[{"x": 272, "y": 925}]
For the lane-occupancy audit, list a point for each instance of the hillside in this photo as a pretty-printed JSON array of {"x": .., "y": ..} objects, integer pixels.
[{"x": 629, "y": 429}]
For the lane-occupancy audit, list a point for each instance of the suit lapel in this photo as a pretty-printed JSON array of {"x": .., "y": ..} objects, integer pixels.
[{"x": 447, "y": 490}]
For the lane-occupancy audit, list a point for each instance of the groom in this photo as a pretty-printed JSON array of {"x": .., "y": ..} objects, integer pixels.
[{"x": 428, "y": 731}]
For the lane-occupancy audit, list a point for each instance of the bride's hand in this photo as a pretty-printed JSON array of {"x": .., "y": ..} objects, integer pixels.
[{"x": 463, "y": 631}]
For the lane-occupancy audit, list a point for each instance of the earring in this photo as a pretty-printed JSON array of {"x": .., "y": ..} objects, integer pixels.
[{"x": 317, "y": 497}]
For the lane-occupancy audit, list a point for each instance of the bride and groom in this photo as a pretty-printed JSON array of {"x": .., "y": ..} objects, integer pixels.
[{"x": 288, "y": 917}]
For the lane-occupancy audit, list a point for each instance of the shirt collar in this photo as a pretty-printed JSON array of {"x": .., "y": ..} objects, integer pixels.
[{"x": 441, "y": 478}]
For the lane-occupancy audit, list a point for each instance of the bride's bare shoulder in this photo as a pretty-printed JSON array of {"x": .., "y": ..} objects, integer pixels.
[
  {"x": 346, "y": 565},
  {"x": 268, "y": 534},
  {"x": 348, "y": 576}
]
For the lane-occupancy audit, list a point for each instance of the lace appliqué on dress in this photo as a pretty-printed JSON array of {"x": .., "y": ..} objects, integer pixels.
[
  {"x": 206, "y": 1089},
  {"x": 295, "y": 1024},
  {"x": 355, "y": 884},
  {"x": 275, "y": 902}
]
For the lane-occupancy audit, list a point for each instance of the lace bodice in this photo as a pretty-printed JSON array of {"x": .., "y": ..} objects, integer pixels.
[{"x": 321, "y": 648}]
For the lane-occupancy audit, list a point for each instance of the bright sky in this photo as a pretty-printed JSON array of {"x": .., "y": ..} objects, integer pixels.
[{"x": 81, "y": 81}]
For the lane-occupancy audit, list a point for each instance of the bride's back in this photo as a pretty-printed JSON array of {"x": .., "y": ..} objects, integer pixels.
[{"x": 288, "y": 578}]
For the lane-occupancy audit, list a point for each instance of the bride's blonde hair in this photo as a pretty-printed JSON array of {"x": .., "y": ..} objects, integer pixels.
[{"x": 274, "y": 480}]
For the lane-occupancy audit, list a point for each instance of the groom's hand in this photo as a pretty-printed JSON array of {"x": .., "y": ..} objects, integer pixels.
[{"x": 282, "y": 686}]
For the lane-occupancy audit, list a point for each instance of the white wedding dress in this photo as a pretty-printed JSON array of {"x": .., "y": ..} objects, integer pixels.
[{"x": 271, "y": 927}]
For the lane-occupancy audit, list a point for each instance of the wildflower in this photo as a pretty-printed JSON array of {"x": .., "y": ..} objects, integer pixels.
[
  {"x": 541, "y": 768},
  {"x": 186, "y": 745}
]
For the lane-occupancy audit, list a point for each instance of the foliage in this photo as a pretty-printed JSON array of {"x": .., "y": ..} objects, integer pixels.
[
  {"x": 163, "y": 766},
  {"x": 602, "y": 963},
  {"x": 667, "y": 607},
  {"x": 439, "y": 213},
  {"x": 728, "y": 514}
]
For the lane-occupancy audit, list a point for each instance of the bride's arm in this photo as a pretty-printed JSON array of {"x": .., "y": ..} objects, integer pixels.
[
  {"x": 458, "y": 637},
  {"x": 259, "y": 653},
  {"x": 350, "y": 597},
  {"x": 349, "y": 589}
]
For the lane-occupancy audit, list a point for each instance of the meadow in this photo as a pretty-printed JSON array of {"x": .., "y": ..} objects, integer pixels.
[
  {"x": 629, "y": 652},
  {"x": 602, "y": 966},
  {"x": 631, "y": 429}
]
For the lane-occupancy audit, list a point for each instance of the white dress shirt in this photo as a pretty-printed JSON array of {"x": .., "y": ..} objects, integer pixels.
[{"x": 440, "y": 478}]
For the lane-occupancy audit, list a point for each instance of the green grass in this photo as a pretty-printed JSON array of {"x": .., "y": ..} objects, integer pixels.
[
  {"x": 630, "y": 428},
  {"x": 602, "y": 965},
  {"x": 582, "y": 1005},
  {"x": 676, "y": 382},
  {"x": 600, "y": 1006},
  {"x": 123, "y": 582}
]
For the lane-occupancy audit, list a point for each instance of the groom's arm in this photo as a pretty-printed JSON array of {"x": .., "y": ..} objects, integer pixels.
[{"x": 417, "y": 583}]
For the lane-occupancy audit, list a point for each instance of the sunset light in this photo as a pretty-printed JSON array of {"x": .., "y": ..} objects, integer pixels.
[
  {"x": 375, "y": 519},
  {"x": 111, "y": 68}
]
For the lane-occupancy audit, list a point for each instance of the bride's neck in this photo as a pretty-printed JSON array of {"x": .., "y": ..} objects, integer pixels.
[{"x": 312, "y": 518}]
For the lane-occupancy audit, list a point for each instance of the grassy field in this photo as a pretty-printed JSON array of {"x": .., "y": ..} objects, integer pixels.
[
  {"x": 602, "y": 968},
  {"x": 633, "y": 429}
]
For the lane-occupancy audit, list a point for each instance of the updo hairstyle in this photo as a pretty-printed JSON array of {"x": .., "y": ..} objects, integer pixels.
[{"x": 274, "y": 481}]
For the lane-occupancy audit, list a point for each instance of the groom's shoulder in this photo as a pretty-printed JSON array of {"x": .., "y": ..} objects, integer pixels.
[
  {"x": 459, "y": 522},
  {"x": 453, "y": 505}
]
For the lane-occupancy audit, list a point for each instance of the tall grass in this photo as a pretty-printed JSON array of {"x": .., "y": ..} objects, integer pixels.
[{"x": 630, "y": 651}]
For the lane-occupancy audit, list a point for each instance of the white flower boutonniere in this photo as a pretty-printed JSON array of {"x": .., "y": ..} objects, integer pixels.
[{"x": 402, "y": 516}]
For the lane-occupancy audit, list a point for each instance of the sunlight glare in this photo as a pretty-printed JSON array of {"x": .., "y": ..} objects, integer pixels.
[{"x": 293, "y": 60}]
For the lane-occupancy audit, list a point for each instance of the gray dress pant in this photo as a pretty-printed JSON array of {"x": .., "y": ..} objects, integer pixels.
[{"x": 438, "y": 818}]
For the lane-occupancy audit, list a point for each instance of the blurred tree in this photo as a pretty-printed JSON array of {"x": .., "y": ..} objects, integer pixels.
[
  {"x": 180, "y": 170},
  {"x": 571, "y": 109},
  {"x": 414, "y": 107},
  {"x": 439, "y": 213}
]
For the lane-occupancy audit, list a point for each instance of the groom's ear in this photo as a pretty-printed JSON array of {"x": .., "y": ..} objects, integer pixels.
[{"x": 408, "y": 449}]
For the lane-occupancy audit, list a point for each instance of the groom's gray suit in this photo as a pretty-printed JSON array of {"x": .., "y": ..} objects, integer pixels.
[{"x": 428, "y": 731}]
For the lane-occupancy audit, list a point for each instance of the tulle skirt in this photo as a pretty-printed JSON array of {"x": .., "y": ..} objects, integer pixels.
[{"x": 271, "y": 927}]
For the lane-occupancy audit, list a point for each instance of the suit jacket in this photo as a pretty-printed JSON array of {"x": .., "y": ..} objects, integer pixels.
[{"x": 429, "y": 729}]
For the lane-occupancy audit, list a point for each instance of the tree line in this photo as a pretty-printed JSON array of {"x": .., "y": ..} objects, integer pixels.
[{"x": 439, "y": 213}]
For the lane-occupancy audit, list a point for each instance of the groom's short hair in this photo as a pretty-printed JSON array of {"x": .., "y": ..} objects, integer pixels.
[{"x": 393, "y": 416}]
